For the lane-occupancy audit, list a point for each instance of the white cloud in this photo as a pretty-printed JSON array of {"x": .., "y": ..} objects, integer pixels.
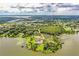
[
  {"x": 39, "y": 1},
  {"x": 37, "y": 8}
]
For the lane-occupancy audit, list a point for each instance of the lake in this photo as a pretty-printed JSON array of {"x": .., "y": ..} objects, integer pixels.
[{"x": 9, "y": 47}]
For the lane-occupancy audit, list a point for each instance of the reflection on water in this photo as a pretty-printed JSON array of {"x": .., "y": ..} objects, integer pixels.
[{"x": 70, "y": 47}]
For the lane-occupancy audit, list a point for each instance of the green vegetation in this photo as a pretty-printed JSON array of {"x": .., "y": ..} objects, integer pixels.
[
  {"x": 55, "y": 30},
  {"x": 37, "y": 36},
  {"x": 43, "y": 45}
]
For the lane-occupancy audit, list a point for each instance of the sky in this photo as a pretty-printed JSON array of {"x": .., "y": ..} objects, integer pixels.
[
  {"x": 39, "y": 1},
  {"x": 39, "y": 7}
]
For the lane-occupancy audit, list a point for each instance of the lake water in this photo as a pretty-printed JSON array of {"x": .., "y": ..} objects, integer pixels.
[{"x": 9, "y": 47}]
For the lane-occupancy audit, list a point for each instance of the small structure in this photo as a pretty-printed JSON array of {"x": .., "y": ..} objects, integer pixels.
[
  {"x": 1, "y": 26},
  {"x": 39, "y": 39}
]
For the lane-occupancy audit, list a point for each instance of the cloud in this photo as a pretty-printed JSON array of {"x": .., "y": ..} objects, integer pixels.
[{"x": 41, "y": 8}]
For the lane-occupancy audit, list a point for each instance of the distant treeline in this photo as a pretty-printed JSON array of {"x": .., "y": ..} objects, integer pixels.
[{"x": 55, "y": 17}]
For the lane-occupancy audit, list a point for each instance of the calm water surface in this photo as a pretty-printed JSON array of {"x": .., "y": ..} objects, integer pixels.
[{"x": 9, "y": 47}]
